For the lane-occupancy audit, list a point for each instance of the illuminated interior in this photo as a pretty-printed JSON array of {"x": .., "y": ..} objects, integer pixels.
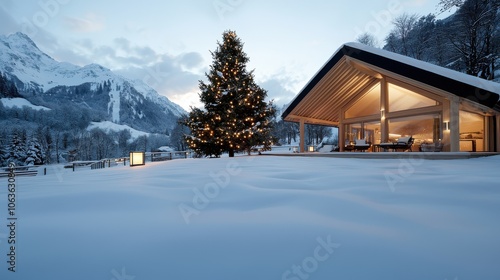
[
  {"x": 367, "y": 105},
  {"x": 403, "y": 99},
  {"x": 423, "y": 127},
  {"x": 471, "y": 132}
]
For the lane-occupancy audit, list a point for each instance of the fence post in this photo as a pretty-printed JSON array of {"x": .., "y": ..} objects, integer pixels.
[
  {"x": 73, "y": 167},
  {"x": 45, "y": 171}
]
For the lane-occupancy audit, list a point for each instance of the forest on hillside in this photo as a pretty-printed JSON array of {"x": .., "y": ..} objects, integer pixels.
[{"x": 467, "y": 41}]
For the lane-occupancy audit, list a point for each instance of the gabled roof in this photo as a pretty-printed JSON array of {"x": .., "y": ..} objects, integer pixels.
[{"x": 356, "y": 67}]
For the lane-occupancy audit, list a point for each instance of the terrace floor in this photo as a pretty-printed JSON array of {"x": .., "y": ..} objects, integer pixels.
[{"x": 383, "y": 155}]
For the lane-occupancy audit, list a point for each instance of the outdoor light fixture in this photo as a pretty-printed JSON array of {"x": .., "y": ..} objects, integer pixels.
[
  {"x": 446, "y": 126},
  {"x": 137, "y": 158},
  {"x": 311, "y": 148}
]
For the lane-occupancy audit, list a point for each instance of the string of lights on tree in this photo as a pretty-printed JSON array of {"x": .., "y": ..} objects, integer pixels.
[{"x": 235, "y": 116}]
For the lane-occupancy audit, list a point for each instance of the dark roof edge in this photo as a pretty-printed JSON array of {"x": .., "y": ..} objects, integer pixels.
[
  {"x": 475, "y": 89},
  {"x": 315, "y": 80}
]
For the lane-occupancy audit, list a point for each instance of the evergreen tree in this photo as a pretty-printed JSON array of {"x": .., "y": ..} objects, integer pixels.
[
  {"x": 236, "y": 116},
  {"x": 47, "y": 147},
  {"x": 177, "y": 136},
  {"x": 7, "y": 88},
  {"x": 34, "y": 152},
  {"x": 206, "y": 138},
  {"x": 17, "y": 148},
  {"x": 3, "y": 85},
  {"x": 3, "y": 147}
]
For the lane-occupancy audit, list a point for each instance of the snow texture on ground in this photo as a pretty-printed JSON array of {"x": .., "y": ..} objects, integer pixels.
[{"x": 259, "y": 217}]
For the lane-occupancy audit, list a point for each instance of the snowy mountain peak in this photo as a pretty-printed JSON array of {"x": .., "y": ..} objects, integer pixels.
[
  {"x": 21, "y": 39},
  {"x": 92, "y": 86},
  {"x": 96, "y": 67}
]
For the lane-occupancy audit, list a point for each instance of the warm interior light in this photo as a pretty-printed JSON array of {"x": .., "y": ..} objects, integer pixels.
[
  {"x": 137, "y": 158},
  {"x": 311, "y": 148}
]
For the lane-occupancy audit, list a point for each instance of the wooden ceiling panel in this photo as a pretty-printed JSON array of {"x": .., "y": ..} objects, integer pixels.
[{"x": 337, "y": 88}]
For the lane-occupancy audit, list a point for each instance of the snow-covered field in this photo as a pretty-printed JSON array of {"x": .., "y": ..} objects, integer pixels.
[
  {"x": 111, "y": 126},
  {"x": 259, "y": 217}
]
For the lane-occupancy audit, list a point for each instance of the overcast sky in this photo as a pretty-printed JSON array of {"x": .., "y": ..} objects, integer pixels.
[{"x": 167, "y": 43}]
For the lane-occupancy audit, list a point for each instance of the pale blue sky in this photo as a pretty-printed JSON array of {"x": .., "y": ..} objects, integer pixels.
[{"x": 167, "y": 43}]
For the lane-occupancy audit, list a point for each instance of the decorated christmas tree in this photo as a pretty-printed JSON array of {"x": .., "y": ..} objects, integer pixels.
[{"x": 235, "y": 116}]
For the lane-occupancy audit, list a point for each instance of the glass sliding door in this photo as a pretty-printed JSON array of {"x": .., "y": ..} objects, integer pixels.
[
  {"x": 471, "y": 132},
  {"x": 423, "y": 129}
]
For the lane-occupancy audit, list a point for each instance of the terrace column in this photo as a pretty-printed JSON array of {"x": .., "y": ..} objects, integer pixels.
[
  {"x": 341, "y": 131},
  {"x": 497, "y": 132},
  {"x": 302, "y": 136},
  {"x": 384, "y": 106},
  {"x": 454, "y": 124}
]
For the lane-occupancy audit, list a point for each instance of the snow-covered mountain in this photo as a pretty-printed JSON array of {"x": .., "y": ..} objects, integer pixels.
[{"x": 104, "y": 94}]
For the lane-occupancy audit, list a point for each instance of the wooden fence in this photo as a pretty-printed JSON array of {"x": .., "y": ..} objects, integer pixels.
[
  {"x": 19, "y": 171},
  {"x": 110, "y": 162}
]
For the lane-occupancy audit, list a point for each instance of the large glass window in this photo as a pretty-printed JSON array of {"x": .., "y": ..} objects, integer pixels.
[
  {"x": 403, "y": 99},
  {"x": 372, "y": 132},
  {"x": 471, "y": 132},
  {"x": 367, "y": 105},
  {"x": 352, "y": 132},
  {"x": 425, "y": 128}
]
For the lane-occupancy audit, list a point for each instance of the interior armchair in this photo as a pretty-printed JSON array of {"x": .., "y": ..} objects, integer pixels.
[
  {"x": 361, "y": 145},
  {"x": 431, "y": 147}
]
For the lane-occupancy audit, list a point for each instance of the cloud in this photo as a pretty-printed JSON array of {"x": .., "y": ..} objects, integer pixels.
[
  {"x": 191, "y": 60},
  {"x": 282, "y": 86},
  {"x": 90, "y": 23},
  {"x": 171, "y": 76},
  {"x": 122, "y": 43}
]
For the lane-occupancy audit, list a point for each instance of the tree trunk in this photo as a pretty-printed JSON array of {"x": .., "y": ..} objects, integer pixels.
[{"x": 231, "y": 153}]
